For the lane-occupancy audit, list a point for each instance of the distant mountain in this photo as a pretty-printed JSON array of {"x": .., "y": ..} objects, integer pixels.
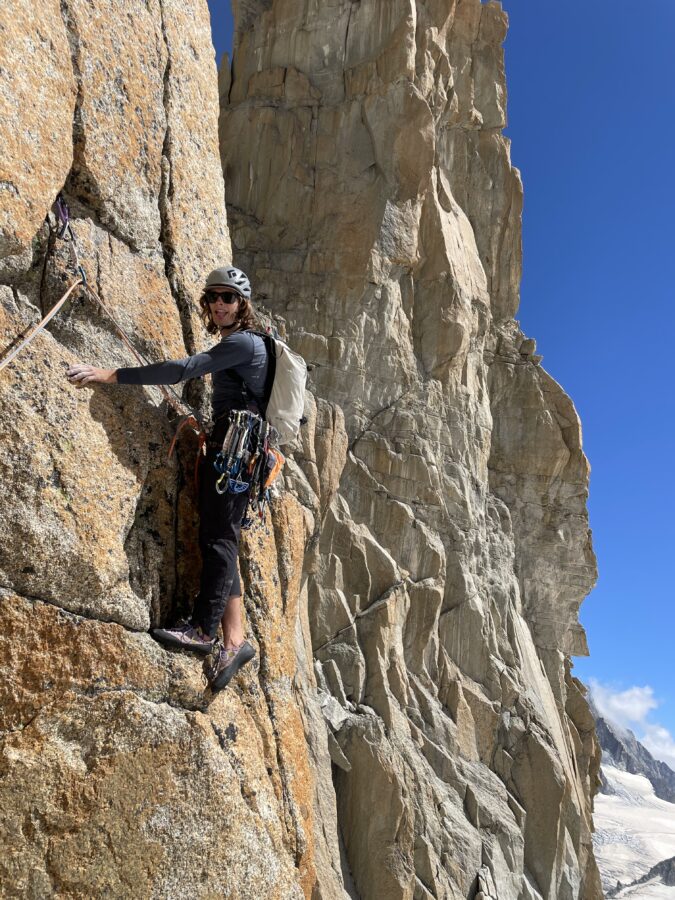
[
  {"x": 634, "y": 817},
  {"x": 665, "y": 871},
  {"x": 634, "y": 839},
  {"x": 662, "y": 873},
  {"x": 621, "y": 749}
]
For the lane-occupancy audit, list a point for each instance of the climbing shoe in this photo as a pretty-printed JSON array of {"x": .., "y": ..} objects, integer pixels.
[
  {"x": 186, "y": 636},
  {"x": 223, "y": 665}
]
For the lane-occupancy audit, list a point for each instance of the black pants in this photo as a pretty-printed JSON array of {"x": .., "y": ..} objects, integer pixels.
[{"x": 220, "y": 518}]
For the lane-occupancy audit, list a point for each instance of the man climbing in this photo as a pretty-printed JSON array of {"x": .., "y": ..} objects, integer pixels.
[{"x": 239, "y": 365}]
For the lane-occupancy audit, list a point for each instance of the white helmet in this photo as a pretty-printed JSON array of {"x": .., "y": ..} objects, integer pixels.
[{"x": 231, "y": 277}]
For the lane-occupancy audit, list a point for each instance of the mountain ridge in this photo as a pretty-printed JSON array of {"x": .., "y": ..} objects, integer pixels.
[
  {"x": 634, "y": 816},
  {"x": 623, "y": 750}
]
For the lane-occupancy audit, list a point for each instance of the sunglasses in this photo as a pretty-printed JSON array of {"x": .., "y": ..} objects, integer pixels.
[{"x": 225, "y": 296}]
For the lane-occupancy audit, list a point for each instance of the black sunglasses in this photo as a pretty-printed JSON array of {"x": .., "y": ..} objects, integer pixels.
[{"x": 226, "y": 296}]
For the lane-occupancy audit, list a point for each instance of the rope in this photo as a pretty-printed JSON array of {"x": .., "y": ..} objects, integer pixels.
[
  {"x": 38, "y": 328},
  {"x": 65, "y": 232},
  {"x": 171, "y": 397},
  {"x": 201, "y": 450}
]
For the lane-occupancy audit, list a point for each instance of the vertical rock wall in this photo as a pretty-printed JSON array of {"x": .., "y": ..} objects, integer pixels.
[
  {"x": 120, "y": 776},
  {"x": 372, "y": 199}
]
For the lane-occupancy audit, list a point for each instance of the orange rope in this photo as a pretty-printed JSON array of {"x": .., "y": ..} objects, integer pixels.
[
  {"x": 37, "y": 328},
  {"x": 198, "y": 430},
  {"x": 171, "y": 398},
  {"x": 173, "y": 401}
]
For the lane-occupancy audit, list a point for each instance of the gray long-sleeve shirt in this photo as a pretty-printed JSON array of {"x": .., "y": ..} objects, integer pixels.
[{"x": 242, "y": 353}]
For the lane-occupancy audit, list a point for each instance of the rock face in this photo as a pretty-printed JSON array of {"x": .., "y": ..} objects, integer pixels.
[
  {"x": 412, "y": 728},
  {"x": 119, "y": 775},
  {"x": 108, "y": 523},
  {"x": 372, "y": 198}
]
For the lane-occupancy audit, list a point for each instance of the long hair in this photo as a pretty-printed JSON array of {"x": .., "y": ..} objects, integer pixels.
[{"x": 245, "y": 315}]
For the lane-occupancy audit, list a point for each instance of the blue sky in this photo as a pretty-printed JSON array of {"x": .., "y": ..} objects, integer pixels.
[
  {"x": 591, "y": 119},
  {"x": 592, "y": 123}
]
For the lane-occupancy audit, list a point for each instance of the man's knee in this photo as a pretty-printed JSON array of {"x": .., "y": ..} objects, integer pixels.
[{"x": 222, "y": 547}]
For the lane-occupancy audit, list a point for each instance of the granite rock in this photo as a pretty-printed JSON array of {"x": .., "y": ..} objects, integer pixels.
[
  {"x": 37, "y": 101},
  {"x": 111, "y": 748},
  {"x": 372, "y": 198}
]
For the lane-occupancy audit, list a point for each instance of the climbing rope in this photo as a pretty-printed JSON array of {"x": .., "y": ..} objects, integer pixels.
[
  {"x": 64, "y": 231},
  {"x": 169, "y": 395},
  {"x": 40, "y": 325}
]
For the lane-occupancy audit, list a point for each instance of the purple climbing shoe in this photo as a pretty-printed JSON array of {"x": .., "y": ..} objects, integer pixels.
[
  {"x": 185, "y": 636},
  {"x": 221, "y": 669}
]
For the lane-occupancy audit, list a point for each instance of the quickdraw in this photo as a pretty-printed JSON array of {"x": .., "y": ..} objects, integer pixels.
[
  {"x": 66, "y": 233},
  {"x": 248, "y": 460}
]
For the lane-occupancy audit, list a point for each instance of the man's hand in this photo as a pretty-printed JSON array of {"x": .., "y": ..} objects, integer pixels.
[{"x": 81, "y": 374}]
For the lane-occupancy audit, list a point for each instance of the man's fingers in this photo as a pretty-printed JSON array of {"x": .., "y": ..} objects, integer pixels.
[{"x": 81, "y": 374}]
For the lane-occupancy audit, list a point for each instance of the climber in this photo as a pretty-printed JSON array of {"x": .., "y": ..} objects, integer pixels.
[{"x": 239, "y": 365}]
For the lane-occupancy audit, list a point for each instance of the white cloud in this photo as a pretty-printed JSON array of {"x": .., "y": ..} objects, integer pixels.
[
  {"x": 660, "y": 743},
  {"x": 625, "y": 708},
  {"x": 630, "y": 708}
]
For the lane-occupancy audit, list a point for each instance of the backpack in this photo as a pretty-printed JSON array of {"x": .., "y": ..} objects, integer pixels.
[{"x": 284, "y": 387}]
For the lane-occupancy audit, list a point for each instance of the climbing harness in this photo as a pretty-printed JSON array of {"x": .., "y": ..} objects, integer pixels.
[{"x": 248, "y": 460}]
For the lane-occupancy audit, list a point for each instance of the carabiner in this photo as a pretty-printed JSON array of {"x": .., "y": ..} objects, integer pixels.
[{"x": 238, "y": 487}]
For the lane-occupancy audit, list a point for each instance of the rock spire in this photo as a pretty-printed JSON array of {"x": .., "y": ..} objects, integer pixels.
[{"x": 372, "y": 198}]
